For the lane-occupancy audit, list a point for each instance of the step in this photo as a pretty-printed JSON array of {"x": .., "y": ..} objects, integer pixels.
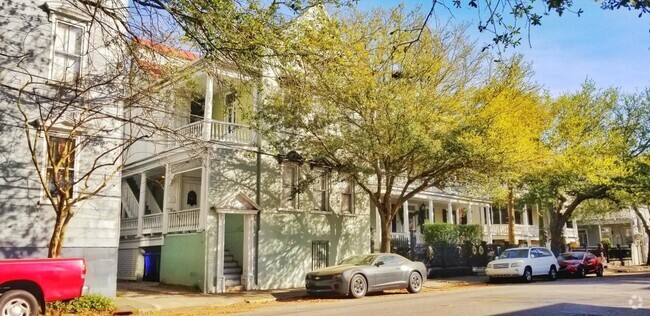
[
  {"x": 232, "y": 279},
  {"x": 228, "y": 258},
  {"x": 232, "y": 276},
  {"x": 232, "y": 270},
  {"x": 234, "y": 288},
  {"x": 230, "y": 264}
]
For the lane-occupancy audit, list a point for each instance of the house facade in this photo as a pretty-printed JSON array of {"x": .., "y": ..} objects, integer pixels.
[
  {"x": 623, "y": 229},
  {"x": 209, "y": 207},
  {"x": 51, "y": 51}
]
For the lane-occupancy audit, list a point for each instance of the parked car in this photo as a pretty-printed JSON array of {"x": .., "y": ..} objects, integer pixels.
[
  {"x": 358, "y": 275},
  {"x": 580, "y": 263},
  {"x": 27, "y": 284},
  {"x": 524, "y": 263}
]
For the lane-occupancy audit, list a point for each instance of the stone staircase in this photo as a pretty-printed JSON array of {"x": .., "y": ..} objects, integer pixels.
[{"x": 231, "y": 273}]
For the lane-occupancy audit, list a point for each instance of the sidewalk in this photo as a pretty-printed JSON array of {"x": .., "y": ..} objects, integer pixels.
[{"x": 139, "y": 297}]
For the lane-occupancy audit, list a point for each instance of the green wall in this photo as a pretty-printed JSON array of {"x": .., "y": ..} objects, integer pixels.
[
  {"x": 182, "y": 260},
  {"x": 234, "y": 235}
]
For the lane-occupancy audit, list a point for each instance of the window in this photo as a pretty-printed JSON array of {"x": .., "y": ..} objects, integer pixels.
[
  {"x": 197, "y": 110},
  {"x": 60, "y": 161},
  {"x": 321, "y": 191},
  {"x": 68, "y": 48},
  {"x": 320, "y": 252},
  {"x": 347, "y": 197},
  {"x": 569, "y": 224},
  {"x": 529, "y": 213},
  {"x": 518, "y": 217},
  {"x": 290, "y": 186}
]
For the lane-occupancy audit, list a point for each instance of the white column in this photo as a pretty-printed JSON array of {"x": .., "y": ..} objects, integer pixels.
[
  {"x": 142, "y": 204},
  {"x": 489, "y": 223},
  {"x": 207, "y": 111},
  {"x": 205, "y": 189},
  {"x": 165, "y": 218},
  {"x": 470, "y": 213},
  {"x": 600, "y": 233},
  {"x": 405, "y": 210},
  {"x": 450, "y": 213},
  {"x": 221, "y": 244},
  {"x": 481, "y": 215},
  {"x": 248, "y": 267},
  {"x": 525, "y": 215},
  {"x": 432, "y": 218}
]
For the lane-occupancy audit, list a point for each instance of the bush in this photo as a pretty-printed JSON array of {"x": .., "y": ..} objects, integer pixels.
[
  {"x": 440, "y": 233},
  {"x": 470, "y": 233},
  {"x": 85, "y": 304}
]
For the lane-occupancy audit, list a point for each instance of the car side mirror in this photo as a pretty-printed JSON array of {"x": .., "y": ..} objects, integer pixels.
[{"x": 379, "y": 263}]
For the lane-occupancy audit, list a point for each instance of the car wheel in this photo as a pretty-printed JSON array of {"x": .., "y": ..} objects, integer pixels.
[
  {"x": 528, "y": 275},
  {"x": 492, "y": 280},
  {"x": 582, "y": 272},
  {"x": 552, "y": 273},
  {"x": 599, "y": 271},
  {"x": 415, "y": 283},
  {"x": 19, "y": 303},
  {"x": 358, "y": 286}
]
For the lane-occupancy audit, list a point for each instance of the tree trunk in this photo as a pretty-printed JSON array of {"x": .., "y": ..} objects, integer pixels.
[
  {"x": 556, "y": 228},
  {"x": 386, "y": 222},
  {"x": 511, "y": 216},
  {"x": 56, "y": 240}
]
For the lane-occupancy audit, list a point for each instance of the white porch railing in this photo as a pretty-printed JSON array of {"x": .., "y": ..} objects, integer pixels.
[
  {"x": 129, "y": 201},
  {"x": 570, "y": 232},
  {"x": 419, "y": 238},
  {"x": 128, "y": 226},
  {"x": 152, "y": 223},
  {"x": 185, "y": 220},
  {"x": 520, "y": 230},
  {"x": 219, "y": 132}
]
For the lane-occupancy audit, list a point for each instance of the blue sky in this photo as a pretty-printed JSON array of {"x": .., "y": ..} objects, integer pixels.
[{"x": 612, "y": 48}]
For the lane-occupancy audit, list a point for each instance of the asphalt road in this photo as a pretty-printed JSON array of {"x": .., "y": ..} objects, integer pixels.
[{"x": 611, "y": 295}]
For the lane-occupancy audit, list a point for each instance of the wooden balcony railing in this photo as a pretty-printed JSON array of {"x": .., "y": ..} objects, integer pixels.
[
  {"x": 218, "y": 131},
  {"x": 177, "y": 221}
]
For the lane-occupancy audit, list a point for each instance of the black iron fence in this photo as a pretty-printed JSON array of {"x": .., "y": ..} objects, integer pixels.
[{"x": 320, "y": 252}]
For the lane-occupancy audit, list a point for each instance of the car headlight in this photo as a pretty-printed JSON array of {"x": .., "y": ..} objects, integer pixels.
[
  {"x": 490, "y": 265},
  {"x": 516, "y": 264}
]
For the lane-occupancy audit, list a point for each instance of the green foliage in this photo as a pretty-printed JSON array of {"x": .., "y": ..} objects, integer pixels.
[
  {"x": 469, "y": 233},
  {"x": 92, "y": 303},
  {"x": 441, "y": 233},
  {"x": 606, "y": 242},
  {"x": 450, "y": 234}
]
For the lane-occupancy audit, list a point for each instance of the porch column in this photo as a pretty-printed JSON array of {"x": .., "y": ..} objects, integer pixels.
[
  {"x": 405, "y": 212},
  {"x": 525, "y": 216},
  {"x": 470, "y": 213},
  {"x": 221, "y": 241},
  {"x": 248, "y": 266},
  {"x": 450, "y": 213},
  {"x": 457, "y": 222},
  {"x": 489, "y": 224},
  {"x": 205, "y": 186},
  {"x": 481, "y": 215},
  {"x": 165, "y": 215},
  {"x": 600, "y": 233},
  {"x": 432, "y": 218},
  {"x": 141, "y": 201},
  {"x": 207, "y": 114}
]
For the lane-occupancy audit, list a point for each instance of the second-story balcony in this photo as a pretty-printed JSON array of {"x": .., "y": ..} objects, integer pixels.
[{"x": 218, "y": 131}]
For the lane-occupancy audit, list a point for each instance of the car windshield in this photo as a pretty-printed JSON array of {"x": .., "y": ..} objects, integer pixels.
[
  {"x": 514, "y": 253},
  {"x": 570, "y": 256},
  {"x": 361, "y": 260}
]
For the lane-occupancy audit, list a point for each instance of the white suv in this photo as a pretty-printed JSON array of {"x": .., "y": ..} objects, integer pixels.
[{"x": 524, "y": 263}]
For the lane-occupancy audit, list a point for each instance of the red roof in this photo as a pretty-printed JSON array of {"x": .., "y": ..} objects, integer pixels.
[{"x": 167, "y": 50}]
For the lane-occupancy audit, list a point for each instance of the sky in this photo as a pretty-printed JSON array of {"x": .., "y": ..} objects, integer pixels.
[{"x": 612, "y": 48}]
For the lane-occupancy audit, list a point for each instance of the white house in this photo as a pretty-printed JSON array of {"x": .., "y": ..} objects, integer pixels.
[{"x": 54, "y": 56}]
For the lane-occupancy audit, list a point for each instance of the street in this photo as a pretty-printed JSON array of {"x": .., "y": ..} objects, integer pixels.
[{"x": 611, "y": 295}]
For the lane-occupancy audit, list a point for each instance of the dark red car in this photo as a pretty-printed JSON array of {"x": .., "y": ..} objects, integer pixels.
[{"x": 580, "y": 263}]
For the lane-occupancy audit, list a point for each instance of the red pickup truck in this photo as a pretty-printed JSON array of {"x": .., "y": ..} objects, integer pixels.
[{"x": 26, "y": 284}]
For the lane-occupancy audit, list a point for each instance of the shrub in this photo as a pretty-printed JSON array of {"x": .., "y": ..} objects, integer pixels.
[
  {"x": 85, "y": 304},
  {"x": 440, "y": 233},
  {"x": 470, "y": 233}
]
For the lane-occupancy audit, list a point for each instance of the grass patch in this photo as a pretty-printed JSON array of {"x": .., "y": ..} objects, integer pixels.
[{"x": 92, "y": 304}]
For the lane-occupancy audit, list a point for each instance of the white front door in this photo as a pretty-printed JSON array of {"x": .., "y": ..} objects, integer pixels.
[{"x": 190, "y": 194}]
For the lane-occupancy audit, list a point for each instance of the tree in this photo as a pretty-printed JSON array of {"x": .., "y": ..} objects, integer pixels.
[
  {"x": 590, "y": 146},
  {"x": 397, "y": 109},
  {"x": 508, "y": 20}
]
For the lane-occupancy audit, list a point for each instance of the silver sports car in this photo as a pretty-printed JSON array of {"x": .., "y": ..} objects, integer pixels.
[{"x": 358, "y": 275}]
